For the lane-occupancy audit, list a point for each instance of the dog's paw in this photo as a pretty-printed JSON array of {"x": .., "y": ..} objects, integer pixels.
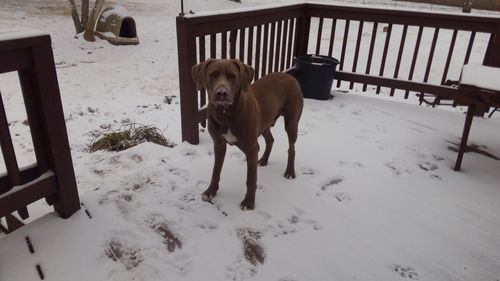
[
  {"x": 289, "y": 173},
  {"x": 206, "y": 197},
  {"x": 208, "y": 194},
  {"x": 247, "y": 204},
  {"x": 262, "y": 162}
]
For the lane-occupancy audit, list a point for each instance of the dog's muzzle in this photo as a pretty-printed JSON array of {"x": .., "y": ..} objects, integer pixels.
[{"x": 221, "y": 96}]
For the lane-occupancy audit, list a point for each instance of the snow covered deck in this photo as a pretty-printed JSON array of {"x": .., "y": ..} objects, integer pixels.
[{"x": 375, "y": 199}]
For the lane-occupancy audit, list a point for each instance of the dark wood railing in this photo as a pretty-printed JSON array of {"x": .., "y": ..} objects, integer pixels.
[
  {"x": 52, "y": 176},
  {"x": 395, "y": 51}
]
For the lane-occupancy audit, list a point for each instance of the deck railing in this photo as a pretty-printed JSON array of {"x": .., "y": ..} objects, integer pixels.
[
  {"x": 52, "y": 176},
  {"x": 395, "y": 51}
]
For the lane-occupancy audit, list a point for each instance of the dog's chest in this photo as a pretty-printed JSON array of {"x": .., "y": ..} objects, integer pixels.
[{"x": 229, "y": 137}]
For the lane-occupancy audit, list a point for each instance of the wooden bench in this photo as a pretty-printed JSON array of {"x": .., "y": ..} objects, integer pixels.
[{"x": 479, "y": 87}]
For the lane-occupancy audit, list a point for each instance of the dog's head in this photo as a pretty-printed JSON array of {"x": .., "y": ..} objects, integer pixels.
[{"x": 223, "y": 79}]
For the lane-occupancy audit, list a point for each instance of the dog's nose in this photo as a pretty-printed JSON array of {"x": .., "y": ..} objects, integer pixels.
[{"x": 221, "y": 93}]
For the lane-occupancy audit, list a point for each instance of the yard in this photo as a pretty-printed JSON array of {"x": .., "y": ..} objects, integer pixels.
[{"x": 375, "y": 198}]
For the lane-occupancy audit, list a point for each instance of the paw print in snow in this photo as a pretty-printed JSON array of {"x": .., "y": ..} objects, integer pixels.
[{"x": 405, "y": 271}]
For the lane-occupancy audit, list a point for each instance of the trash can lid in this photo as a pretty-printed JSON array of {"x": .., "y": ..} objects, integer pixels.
[{"x": 318, "y": 60}]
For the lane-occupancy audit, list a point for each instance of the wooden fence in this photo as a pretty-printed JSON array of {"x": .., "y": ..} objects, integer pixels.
[
  {"x": 395, "y": 51},
  {"x": 52, "y": 176}
]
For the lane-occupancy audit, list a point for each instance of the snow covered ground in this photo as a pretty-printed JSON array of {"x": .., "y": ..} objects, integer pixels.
[{"x": 375, "y": 197}]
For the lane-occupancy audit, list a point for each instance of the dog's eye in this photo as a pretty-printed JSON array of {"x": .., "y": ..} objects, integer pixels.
[
  {"x": 230, "y": 76},
  {"x": 212, "y": 75}
]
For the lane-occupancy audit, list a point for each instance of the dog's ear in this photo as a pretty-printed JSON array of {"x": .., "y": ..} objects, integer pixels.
[
  {"x": 198, "y": 74},
  {"x": 246, "y": 74}
]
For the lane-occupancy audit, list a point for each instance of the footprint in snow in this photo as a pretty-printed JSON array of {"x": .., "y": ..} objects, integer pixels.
[
  {"x": 398, "y": 167},
  {"x": 427, "y": 166},
  {"x": 343, "y": 197},
  {"x": 350, "y": 164},
  {"x": 294, "y": 223},
  {"x": 170, "y": 239},
  {"x": 253, "y": 255},
  {"x": 307, "y": 171},
  {"x": 331, "y": 182},
  {"x": 128, "y": 256},
  {"x": 405, "y": 271},
  {"x": 190, "y": 153}
]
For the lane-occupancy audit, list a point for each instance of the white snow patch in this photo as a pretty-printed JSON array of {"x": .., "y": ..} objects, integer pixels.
[{"x": 486, "y": 77}]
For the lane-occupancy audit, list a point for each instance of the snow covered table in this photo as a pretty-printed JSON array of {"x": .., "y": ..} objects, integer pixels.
[{"x": 479, "y": 86}]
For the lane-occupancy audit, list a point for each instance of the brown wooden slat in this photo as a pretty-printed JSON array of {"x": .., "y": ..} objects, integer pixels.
[
  {"x": 469, "y": 47},
  {"x": 332, "y": 37},
  {"x": 414, "y": 59},
  {"x": 202, "y": 93},
  {"x": 445, "y": 92},
  {"x": 400, "y": 54},
  {"x": 250, "y": 46},
  {"x": 257, "y": 52},
  {"x": 265, "y": 50},
  {"x": 9, "y": 155},
  {"x": 302, "y": 31},
  {"x": 241, "y": 50},
  {"x": 283, "y": 45},
  {"x": 61, "y": 163},
  {"x": 370, "y": 52},
  {"x": 233, "y": 36},
  {"x": 201, "y": 48},
  {"x": 213, "y": 46},
  {"x": 344, "y": 46},
  {"x": 356, "y": 52},
  {"x": 431, "y": 55},
  {"x": 448, "y": 58},
  {"x": 384, "y": 54},
  {"x": 271, "y": 48},
  {"x": 289, "y": 57},
  {"x": 278, "y": 47},
  {"x": 223, "y": 43},
  {"x": 489, "y": 48},
  {"x": 318, "y": 38}
]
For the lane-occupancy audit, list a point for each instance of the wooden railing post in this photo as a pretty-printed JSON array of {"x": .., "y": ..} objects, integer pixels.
[
  {"x": 492, "y": 57},
  {"x": 186, "y": 46},
  {"x": 66, "y": 202},
  {"x": 302, "y": 34}
]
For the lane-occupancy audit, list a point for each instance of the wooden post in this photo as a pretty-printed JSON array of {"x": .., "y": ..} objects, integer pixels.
[
  {"x": 465, "y": 136},
  {"x": 60, "y": 162},
  {"x": 186, "y": 47}
]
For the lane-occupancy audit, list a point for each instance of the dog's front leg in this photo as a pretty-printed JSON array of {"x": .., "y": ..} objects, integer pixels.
[
  {"x": 251, "y": 154},
  {"x": 219, "y": 153}
]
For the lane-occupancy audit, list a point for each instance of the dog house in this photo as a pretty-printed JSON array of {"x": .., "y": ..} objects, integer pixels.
[{"x": 116, "y": 26}]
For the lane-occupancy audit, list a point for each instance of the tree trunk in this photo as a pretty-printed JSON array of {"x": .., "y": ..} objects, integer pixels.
[
  {"x": 74, "y": 15},
  {"x": 89, "y": 28},
  {"x": 85, "y": 12}
]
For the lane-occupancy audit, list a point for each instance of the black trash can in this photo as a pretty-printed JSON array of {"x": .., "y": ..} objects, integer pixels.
[{"x": 315, "y": 74}]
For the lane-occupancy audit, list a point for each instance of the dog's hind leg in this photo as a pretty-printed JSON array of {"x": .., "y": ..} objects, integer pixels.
[
  {"x": 269, "y": 146},
  {"x": 291, "y": 125},
  {"x": 220, "y": 153}
]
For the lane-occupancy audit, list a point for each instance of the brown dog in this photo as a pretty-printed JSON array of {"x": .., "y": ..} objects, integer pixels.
[{"x": 238, "y": 113}]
